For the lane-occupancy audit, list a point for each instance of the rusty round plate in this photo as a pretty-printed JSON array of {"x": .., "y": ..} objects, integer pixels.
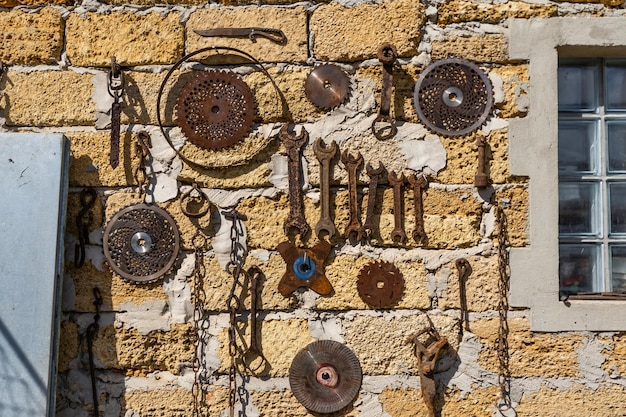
[
  {"x": 141, "y": 243},
  {"x": 215, "y": 109},
  {"x": 453, "y": 97},
  {"x": 325, "y": 376},
  {"x": 327, "y": 86},
  {"x": 380, "y": 284}
]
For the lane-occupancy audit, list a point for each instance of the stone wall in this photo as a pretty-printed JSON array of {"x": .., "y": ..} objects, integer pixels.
[{"x": 56, "y": 56}]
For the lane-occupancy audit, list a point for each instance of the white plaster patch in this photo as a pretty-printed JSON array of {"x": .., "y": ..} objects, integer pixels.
[
  {"x": 590, "y": 360},
  {"x": 427, "y": 155},
  {"x": 326, "y": 329},
  {"x": 147, "y": 317},
  {"x": 227, "y": 198},
  {"x": 498, "y": 91},
  {"x": 178, "y": 291},
  {"x": 260, "y": 254},
  {"x": 278, "y": 176},
  {"x": 369, "y": 406},
  {"x": 102, "y": 99}
]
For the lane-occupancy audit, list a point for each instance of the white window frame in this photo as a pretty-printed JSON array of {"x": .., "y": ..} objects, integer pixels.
[{"x": 533, "y": 152}]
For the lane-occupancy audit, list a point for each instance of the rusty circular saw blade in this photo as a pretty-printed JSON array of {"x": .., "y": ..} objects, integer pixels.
[
  {"x": 215, "y": 109},
  {"x": 453, "y": 97},
  {"x": 304, "y": 373},
  {"x": 141, "y": 243},
  {"x": 380, "y": 284},
  {"x": 327, "y": 86}
]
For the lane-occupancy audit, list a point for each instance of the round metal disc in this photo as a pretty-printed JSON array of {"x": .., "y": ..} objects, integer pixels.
[
  {"x": 141, "y": 243},
  {"x": 325, "y": 376},
  {"x": 380, "y": 284},
  {"x": 327, "y": 86},
  {"x": 215, "y": 109},
  {"x": 453, "y": 97}
]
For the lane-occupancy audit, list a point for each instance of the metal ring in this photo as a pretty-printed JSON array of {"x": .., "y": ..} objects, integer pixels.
[
  {"x": 178, "y": 64},
  {"x": 392, "y": 126},
  {"x": 202, "y": 196}
]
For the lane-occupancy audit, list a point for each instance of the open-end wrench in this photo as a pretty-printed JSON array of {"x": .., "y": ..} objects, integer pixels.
[
  {"x": 374, "y": 174},
  {"x": 387, "y": 55},
  {"x": 254, "y": 350},
  {"x": 398, "y": 233},
  {"x": 324, "y": 156},
  {"x": 293, "y": 144},
  {"x": 352, "y": 164},
  {"x": 418, "y": 185}
]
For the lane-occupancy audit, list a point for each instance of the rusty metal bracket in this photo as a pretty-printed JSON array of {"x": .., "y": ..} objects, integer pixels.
[{"x": 305, "y": 268}]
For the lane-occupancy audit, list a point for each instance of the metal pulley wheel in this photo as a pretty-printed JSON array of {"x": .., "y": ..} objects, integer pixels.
[
  {"x": 327, "y": 86},
  {"x": 325, "y": 376},
  {"x": 380, "y": 284},
  {"x": 453, "y": 97},
  {"x": 141, "y": 243},
  {"x": 216, "y": 109}
]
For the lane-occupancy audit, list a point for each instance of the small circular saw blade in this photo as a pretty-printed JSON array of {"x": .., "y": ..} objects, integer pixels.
[
  {"x": 380, "y": 284},
  {"x": 141, "y": 243},
  {"x": 325, "y": 376},
  {"x": 215, "y": 109},
  {"x": 327, "y": 86}
]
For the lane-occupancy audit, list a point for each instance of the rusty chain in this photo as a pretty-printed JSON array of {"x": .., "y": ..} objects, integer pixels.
[
  {"x": 502, "y": 344},
  {"x": 115, "y": 87},
  {"x": 142, "y": 149},
  {"x": 237, "y": 256}
]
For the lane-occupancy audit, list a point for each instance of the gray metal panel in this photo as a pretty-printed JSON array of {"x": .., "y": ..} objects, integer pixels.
[{"x": 33, "y": 190}]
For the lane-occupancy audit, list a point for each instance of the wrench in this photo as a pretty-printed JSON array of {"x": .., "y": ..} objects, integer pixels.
[
  {"x": 387, "y": 55},
  {"x": 481, "y": 180},
  {"x": 396, "y": 182},
  {"x": 352, "y": 165},
  {"x": 374, "y": 174},
  {"x": 254, "y": 351},
  {"x": 418, "y": 185},
  {"x": 293, "y": 144},
  {"x": 324, "y": 156}
]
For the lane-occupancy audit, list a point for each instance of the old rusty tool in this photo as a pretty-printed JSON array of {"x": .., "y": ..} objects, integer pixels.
[
  {"x": 274, "y": 35},
  {"x": 380, "y": 284},
  {"x": 116, "y": 90},
  {"x": 352, "y": 164},
  {"x": 453, "y": 97},
  {"x": 418, "y": 184},
  {"x": 327, "y": 86},
  {"x": 387, "y": 55},
  {"x": 368, "y": 227},
  {"x": 325, "y": 376},
  {"x": 481, "y": 180},
  {"x": 197, "y": 199},
  {"x": 253, "y": 357},
  {"x": 293, "y": 144},
  {"x": 398, "y": 233},
  {"x": 84, "y": 219},
  {"x": 324, "y": 156},
  {"x": 465, "y": 270},
  {"x": 305, "y": 268},
  {"x": 427, "y": 354}
]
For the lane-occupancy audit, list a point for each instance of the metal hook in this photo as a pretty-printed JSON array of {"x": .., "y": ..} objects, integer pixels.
[{"x": 201, "y": 196}]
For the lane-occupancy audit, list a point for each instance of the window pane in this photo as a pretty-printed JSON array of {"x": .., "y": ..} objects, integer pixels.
[
  {"x": 577, "y": 146},
  {"x": 617, "y": 202},
  {"x": 616, "y": 138},
  {"x": 578, "y": 208},
  {"x": 616, "y": 85},
  {"x": 578, "y": 268},
  {"x": 577, "y": 85},
  {"x": 618, "y": 268}
]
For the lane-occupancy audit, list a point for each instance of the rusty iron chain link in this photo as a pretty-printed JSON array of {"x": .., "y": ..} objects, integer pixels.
[
  {"x": 200, "y": 323},
  {"x": 115, "y": 87},
  {"x": 237, "y": 257},
  {"x": 142, "y": 149},
  {"x": 502, "y": 344}
]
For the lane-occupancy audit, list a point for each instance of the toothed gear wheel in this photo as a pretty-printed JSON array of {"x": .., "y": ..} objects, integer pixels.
[
  {"x": 141, "y": 243},
  {"x": 380, "y": 284},
  {"x": 327, "y": 86},
  {"x": 325, "y": 376},
  {"x": 453, "y": 97},
  {"x": 215, "y": 109}
]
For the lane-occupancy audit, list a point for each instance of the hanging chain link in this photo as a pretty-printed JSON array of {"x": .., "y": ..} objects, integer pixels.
[
  {"x": 116, "y": 90},
  {"x": 237, "y": 256},
  {"x": 504, "y": 376},
  {"x": 142, "y": 149}
]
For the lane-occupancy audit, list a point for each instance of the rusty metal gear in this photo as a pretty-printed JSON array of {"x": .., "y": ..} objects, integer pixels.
[
  {"x": 380, "y": 284},
  {"x": 453, "y": 97},
  {"x": 327, "y": 86},
  {"x": 325, "y": 376},
  {"x": 141, "y": 243},
  {"x": 215, "y": 109}
]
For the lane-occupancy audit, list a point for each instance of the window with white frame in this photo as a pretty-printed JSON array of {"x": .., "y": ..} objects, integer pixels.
[
  {"x": 571, "y": 274},
  {"x": 592, "y": 175}
]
